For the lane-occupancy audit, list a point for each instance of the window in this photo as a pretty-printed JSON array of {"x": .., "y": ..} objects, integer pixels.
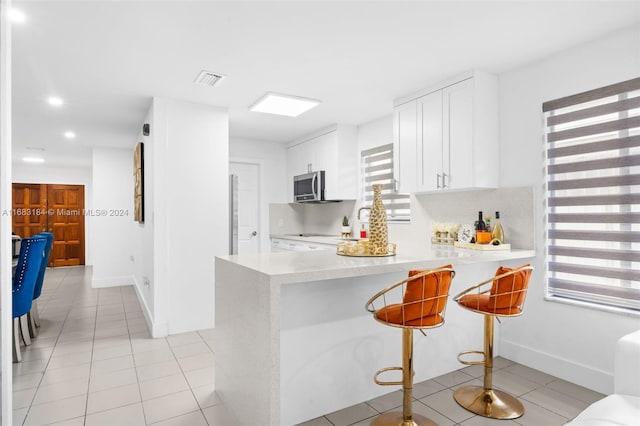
[
  {"x": 377, "y": 167},
  {"x": 593, "y": 195}
]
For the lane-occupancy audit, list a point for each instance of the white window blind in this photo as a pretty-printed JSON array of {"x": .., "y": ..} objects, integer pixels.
[
  {"x": 593, "y": 195},
  {"x": 377, "y": 166}
]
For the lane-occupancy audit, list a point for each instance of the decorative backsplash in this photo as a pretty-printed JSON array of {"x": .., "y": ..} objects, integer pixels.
[{"x": 516, "y": 207}]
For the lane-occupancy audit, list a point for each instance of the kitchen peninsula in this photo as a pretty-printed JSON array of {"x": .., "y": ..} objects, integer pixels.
[{"x": 294, "y": 342}]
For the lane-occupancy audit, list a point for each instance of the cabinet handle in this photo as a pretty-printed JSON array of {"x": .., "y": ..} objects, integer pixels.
[
  {"x": 444, "y": 176},
  {"x": 437, "y": 180}
]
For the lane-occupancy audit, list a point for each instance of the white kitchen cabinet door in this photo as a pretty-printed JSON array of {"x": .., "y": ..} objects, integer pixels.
[
  {"x": 455, "y": 145},
  {"x": 430, "y": 149},
  {"x": 407, "y": 164},
  {"x": 458, "y": 154}
]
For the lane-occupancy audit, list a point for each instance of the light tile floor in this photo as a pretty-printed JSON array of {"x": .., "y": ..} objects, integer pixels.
[{"x": 94, "y": 363}]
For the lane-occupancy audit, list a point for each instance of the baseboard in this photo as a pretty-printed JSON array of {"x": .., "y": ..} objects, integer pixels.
[
  {"x": 565, "y": 369},
  {"x": 112, "y": 281},
  {"x": 157, "y": 329}
]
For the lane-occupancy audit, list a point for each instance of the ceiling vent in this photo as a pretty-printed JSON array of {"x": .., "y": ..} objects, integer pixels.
[{"x": 209, "y": 78}]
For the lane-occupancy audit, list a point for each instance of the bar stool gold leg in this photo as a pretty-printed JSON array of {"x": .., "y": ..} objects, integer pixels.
[
  {"x": 406, "y": 418},
  {"x": 486, "y": 401}
]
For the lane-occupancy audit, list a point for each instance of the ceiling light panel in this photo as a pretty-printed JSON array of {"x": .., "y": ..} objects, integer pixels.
[
  {"x": 290, "y": 106},
  {"x": 69, "y": 135},
  {"x": 33, "y": 159},
  {"x": 209, "y": 78},
  {"x": 55, "y": 101},
  {"x": 17, "y": 16}
]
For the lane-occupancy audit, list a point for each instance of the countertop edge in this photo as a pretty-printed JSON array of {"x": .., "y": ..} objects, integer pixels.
[{"x": 310, "y": 265}]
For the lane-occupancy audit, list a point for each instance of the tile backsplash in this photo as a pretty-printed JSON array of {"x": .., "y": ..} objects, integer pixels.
[
  {"x": 310, "y": 218},
  {"x": 516, "y": 207}
]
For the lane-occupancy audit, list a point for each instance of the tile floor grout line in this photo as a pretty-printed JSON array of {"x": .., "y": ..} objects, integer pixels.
[
  {"x": 45, "y": 368},
  {"x": 185, "y": 376}
]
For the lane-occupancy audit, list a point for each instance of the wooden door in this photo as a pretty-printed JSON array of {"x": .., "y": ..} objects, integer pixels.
[
  {"x": 29, "y": 215},
  {"x": 66, "y": 221},
  {"x": 54, "y": 208}
]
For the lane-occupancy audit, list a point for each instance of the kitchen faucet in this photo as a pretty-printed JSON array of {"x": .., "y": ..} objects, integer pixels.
[{"x": 360, "y": 210}]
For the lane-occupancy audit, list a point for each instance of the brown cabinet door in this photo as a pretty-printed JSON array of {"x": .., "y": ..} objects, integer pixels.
[
  {"x": 54, "y": 208},
  {"x": 66, "y": 220}
]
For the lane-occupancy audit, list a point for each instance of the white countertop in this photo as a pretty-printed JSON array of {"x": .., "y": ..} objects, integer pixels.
[{"x": 295, "y": 267}]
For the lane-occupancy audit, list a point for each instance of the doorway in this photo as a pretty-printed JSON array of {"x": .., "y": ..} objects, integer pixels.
[
  {"x": 248, "y": 206},
  {"x": 54, "y": 208}
]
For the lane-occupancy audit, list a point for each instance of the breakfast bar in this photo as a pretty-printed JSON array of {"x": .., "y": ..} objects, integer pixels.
[{"x": 294, "y": 342}]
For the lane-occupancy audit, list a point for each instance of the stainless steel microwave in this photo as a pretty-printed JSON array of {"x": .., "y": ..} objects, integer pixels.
[{"x": 309, "y": 187}]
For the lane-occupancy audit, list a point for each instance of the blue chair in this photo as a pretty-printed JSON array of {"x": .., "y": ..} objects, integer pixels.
[
  {"x": 33, "y": 317},
  {"x": 24, "y": 282}
]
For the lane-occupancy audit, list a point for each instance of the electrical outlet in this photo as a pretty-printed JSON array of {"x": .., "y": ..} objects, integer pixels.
[
  {"x": 133, "y": 259},
  {"x": 146, "y": 281}
]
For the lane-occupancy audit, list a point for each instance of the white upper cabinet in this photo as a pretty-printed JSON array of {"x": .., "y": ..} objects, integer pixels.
[
  {"x": 405, "y": 147},
  {"x": 334, "y": 150},
  {"x": 452, "y": 142}
]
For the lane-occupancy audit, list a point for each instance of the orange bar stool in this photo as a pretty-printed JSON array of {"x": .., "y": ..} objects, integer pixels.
[
  {"x": 505, "y": 298},
  {"x": 422, "y": 301}
]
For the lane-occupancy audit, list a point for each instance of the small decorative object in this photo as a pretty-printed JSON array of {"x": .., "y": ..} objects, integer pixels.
[
  {"x": 378, "y": 233},
  {"x": 363, "y": 232},
  {"x": 444, "y": 233},
  {"x": 346, "y": 228},
  {"x": 138, "y": 183},
  {"x": 466, "y": 233}
]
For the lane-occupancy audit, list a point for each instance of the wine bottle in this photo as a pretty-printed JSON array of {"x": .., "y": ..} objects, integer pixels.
[
  {"x": 479, "y": 224},
  {"x": 498, "y": 232}
]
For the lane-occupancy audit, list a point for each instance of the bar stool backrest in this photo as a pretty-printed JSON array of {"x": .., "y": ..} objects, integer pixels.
[
  {"x": 505, "y": 297},
  {"x": 424, "y": 299}
]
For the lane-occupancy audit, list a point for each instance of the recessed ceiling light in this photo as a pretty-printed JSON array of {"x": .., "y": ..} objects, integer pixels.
[
  {"x": 17, "y": 16},
  {"x": 209, "y": 78},
  {"x": 55, "y": 101},
  {"x": 69, "y": 135},
  {"x": 33, "y": 160},
  {"x": 291, "y": 106}
]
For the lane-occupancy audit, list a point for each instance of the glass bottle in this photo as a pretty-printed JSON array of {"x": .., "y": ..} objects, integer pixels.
[
  {"x": 479, "y": 224},
  {"x": 498, "y": 232},
  {"x": 363, "y": 232}
]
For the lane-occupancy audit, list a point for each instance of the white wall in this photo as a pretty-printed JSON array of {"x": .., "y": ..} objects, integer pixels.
[
  {"x": 69, "y": 176},
  {"x": 143, "y": 235},
  {"x": 190, "y": 217},
  {"x": 112, "y": 217},
  {"x": 272, "y": 159},
  {"x": 572, "y": 342}
]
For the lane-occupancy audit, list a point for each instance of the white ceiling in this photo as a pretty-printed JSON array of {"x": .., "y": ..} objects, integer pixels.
[{"x": 108, "y": 59}]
